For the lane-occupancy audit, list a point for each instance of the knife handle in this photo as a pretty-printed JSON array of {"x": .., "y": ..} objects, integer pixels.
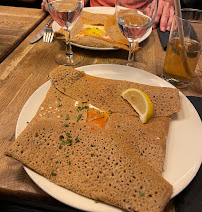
[{"x": 48, "y": 23}]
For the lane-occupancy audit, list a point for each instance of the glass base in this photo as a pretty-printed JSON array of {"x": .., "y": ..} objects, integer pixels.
[
  {"x": 137, "y": 65},
  {"x": 71, "y": 60},
  {"x": 176, "y": 83}
]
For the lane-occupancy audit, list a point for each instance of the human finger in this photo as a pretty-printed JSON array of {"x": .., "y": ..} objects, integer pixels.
[
  {"x": 170, "y": 18},
  {"x": 165, "y": 16},
  {"x": 44, "y": 6},
  {"x": 158, "y": 15}
]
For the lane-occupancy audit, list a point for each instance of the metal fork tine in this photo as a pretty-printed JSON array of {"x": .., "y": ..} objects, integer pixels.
[
  {"x": 48, "y": 35},
  {"x": 51, "y": 38},
  {"x": 46, "y": 38}
]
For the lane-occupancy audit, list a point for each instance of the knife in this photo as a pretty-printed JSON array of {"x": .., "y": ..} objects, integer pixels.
[{"x": 39, "y": 35}]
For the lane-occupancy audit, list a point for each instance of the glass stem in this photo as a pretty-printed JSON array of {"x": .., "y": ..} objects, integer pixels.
[
  {"x": 131, "y": 54},
  {"x": 69, "y": 52}
]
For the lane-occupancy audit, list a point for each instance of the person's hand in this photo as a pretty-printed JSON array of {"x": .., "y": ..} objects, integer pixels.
[
  {"x": 44, "y": 6},
  {"x": 164, "y": 15}
]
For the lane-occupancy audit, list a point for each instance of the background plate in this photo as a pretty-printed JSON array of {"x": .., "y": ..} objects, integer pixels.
[
  {"x": 184, "y": 146},
  {"x": 102, "y": 10}
]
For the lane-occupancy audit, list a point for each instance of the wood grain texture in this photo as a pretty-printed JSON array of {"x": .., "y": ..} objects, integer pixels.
[{"x": 15, "y": 24}]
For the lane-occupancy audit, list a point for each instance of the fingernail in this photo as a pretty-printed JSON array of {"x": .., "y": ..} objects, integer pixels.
[{"x": 168, "y": 28}]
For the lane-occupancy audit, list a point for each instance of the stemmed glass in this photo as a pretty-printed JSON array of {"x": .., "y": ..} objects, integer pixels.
[
  {"x": 66, "y": 13},
  {"x": 134, "y": 18}
]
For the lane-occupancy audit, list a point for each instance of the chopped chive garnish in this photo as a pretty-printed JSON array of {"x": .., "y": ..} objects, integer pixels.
[
  {"x": 67, "y": 117},
  {"x": 67, "y": 156},
  {"x": 66, "y": 125},
  {"x": 37, "y": 134},
  {"x": 79, "y": 117},
  {"x": 118, "y": 125},
  {"x": 60, "y": 105},
  {"x": 69, "y": 163},
  {"x": 141, "y": 154},
  {"x": 64, "y": 89},
  {"x": 110, "y": 112},
  {"x": 81, "y": 108},
  {"x": 77, "y": 139},
  {"x": 68, "y": 135},
  {"x": 92, "y": 155},
  {"x": 141, "y": 194},
  {"x": 43, "y": 128},
  {"x": 53, "y": 173},
  {"x": 62, "y": 143},
  {"x": 68, "y": 141}
]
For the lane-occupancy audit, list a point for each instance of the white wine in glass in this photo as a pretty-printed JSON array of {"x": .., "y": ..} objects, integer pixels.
[
  {"x": 134, "y": 18},
  {"x": 66, "y": 13}
]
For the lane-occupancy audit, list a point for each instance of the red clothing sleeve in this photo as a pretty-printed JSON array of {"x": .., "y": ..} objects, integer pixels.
[
  {"x": 105, "y": 3},
  {"x": 111, "y": 3}
]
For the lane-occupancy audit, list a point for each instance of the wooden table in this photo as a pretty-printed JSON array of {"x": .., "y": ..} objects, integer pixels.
[
  {"x": 15, "y": 24},
  {"x": 27, "y": 68}
]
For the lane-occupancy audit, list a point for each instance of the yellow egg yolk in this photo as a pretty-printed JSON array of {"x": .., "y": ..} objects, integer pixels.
[{"x": 93, "y": 30}]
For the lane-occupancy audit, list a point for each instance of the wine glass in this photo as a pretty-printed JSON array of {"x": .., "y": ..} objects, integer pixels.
[
  {"x": 66, "y": 13},
  {"x": 135, "y": 18}
]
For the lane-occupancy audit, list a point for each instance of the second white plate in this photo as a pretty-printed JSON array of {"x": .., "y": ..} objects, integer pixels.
[{"x": 101, "y": 10}]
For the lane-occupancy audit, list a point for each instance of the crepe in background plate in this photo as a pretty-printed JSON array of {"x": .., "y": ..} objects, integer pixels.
[{"x": 107, "y": 36}]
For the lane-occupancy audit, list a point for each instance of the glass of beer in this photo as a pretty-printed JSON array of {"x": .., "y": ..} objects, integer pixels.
[{"x": 182, "y": 55}]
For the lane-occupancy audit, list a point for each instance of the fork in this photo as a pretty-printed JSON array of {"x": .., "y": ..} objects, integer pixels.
[{"x": 48, "y": 35}]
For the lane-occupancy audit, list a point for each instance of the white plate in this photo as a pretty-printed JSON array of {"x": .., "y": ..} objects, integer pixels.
[
  {"x": 184, "y": 146},
  {"x": 102, "y": 10}
]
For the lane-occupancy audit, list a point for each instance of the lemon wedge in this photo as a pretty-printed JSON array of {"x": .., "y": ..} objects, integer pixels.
[{"x": 140, "y": 102}]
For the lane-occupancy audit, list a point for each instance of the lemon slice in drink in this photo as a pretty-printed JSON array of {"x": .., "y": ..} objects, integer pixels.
[{"x": 140, "y": 102}]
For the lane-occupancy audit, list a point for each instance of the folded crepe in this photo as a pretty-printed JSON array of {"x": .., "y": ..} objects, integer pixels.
[
  {"x": 148, "y": 141},
  {"x": 105, "y": 93},
  {"x": 81, "y": 142},
  {"x": 91, "y": 163},
  {"x": 97, "y": 30}
]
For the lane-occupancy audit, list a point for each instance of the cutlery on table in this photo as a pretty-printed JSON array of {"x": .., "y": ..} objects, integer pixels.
[
  {"x": 48, "y": 35},
  {"x": 40, "y": 34}
]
